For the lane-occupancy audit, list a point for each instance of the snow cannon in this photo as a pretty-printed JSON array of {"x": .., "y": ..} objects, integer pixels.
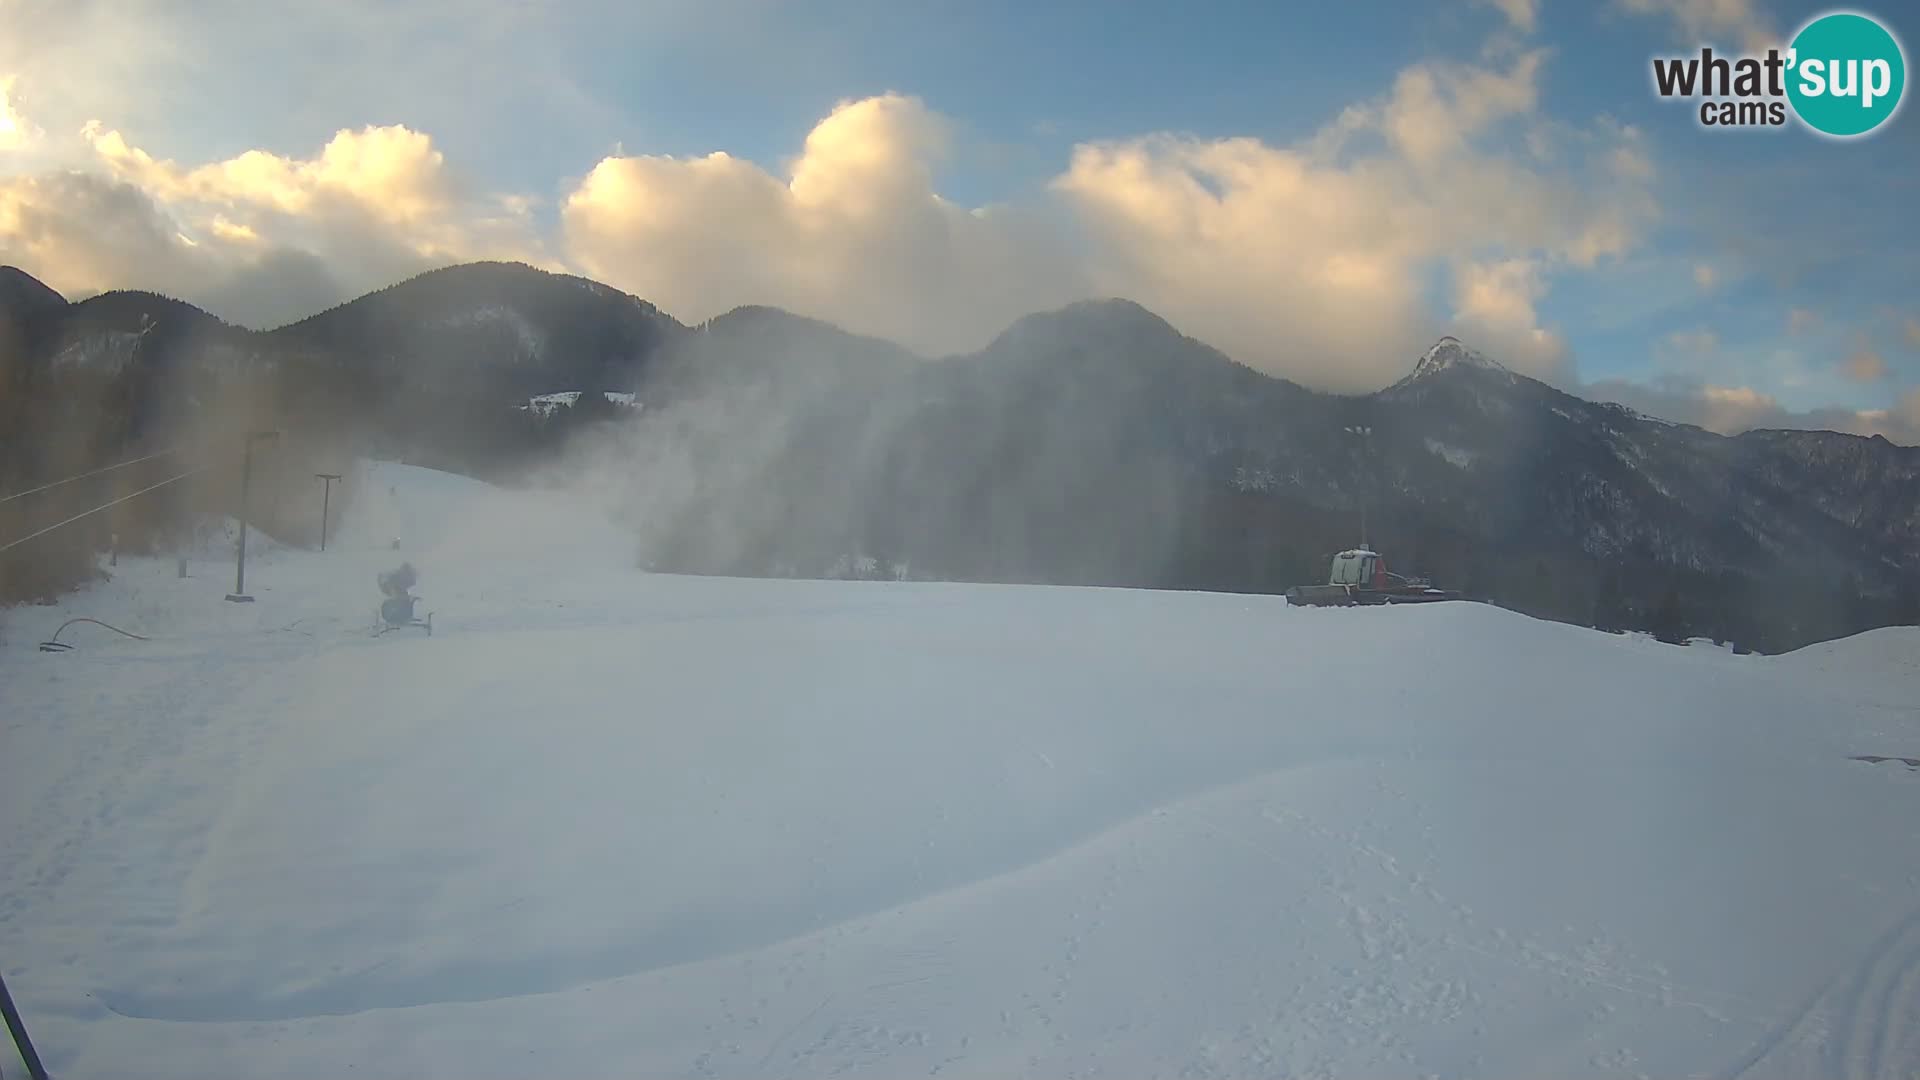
[
  {"x": 398, "y": 581},
  {"x": 396, "y": 611}
]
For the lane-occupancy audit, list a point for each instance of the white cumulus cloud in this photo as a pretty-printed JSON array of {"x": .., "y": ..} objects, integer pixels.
[
  {"x": 16, "y": 131},
  {"x": 853, "y": 231},
  {"x": 1521, "y": 13},
  {"x": 1727, "y": 23},
  {"x": 259, "y": 238},
  {"x": 1313, "y": 260},
  {"x": 1864, "y": 365}
]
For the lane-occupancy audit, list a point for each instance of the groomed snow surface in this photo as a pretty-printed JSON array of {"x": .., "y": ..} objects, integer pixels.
[{"x": 609, "y": 824}]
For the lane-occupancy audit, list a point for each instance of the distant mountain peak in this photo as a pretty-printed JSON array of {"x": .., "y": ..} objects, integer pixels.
[
  {"x": 1117, "y": 312},
  {"x": 764, "y": 314},
  {"x": 1108, "y": 321},
  {"x": 1450, "y": 352},
  {"x": 22, "y": 290}
]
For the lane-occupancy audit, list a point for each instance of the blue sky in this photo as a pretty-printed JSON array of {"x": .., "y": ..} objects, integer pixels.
[{"x": 1556, "y": 212}]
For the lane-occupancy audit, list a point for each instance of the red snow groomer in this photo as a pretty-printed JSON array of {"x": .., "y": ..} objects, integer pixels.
[{"x": 1360, "y": 576}]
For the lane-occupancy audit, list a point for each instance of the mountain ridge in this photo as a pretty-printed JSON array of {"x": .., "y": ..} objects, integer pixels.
[
  {"x": 14, "y": 280},
  {"x": 1091, "y": 444},
  {"x": 1445, "y": 353}
]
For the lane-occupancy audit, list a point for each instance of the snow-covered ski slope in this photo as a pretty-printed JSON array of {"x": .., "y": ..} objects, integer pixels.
[{"x": 610, "y": 824}]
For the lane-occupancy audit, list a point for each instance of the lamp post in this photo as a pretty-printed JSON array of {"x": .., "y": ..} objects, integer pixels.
[
  {"x": 1365, "y": 434},
  {"x": 326, "y": 493},
  {"x": 239, "y": 593}
]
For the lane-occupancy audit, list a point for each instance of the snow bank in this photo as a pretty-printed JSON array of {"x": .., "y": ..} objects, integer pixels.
[
  {"x": 1889, "y": 653},
  {"x": 610, "y": 824},
  {"x": 1877, "y": 673}
]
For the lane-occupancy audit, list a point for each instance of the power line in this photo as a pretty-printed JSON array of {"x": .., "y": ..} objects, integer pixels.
[
  {"x": 84, "y": 475},
  {"x": 11, "y": 544}
]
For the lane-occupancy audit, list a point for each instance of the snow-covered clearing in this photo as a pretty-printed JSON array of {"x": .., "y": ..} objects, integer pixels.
[{"x": 604, "y": 823}]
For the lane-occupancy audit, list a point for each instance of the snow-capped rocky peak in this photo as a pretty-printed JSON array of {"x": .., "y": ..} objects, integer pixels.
[{"x": 1449, "y": 352}]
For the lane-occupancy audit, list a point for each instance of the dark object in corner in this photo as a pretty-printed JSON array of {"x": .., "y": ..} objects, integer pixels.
[{"x": 19, "y": 1029}]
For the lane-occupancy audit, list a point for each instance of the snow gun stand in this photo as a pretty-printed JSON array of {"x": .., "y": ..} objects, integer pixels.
[{"x": 396, "y": 613}]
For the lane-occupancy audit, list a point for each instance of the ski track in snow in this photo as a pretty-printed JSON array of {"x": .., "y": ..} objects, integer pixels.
[
  {"x": 611, "y": 824},
  {"x": 1864, "y": 1024}
]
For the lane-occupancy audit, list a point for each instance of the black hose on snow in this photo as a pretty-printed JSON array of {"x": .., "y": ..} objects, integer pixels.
[{"x": 54, "y": 644}]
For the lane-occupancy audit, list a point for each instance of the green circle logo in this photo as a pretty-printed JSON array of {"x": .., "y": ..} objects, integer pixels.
[{"x": 1846, "y": 74}]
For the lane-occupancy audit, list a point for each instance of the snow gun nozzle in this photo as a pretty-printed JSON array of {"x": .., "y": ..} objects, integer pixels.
[{"x": 398, "y": 581}]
